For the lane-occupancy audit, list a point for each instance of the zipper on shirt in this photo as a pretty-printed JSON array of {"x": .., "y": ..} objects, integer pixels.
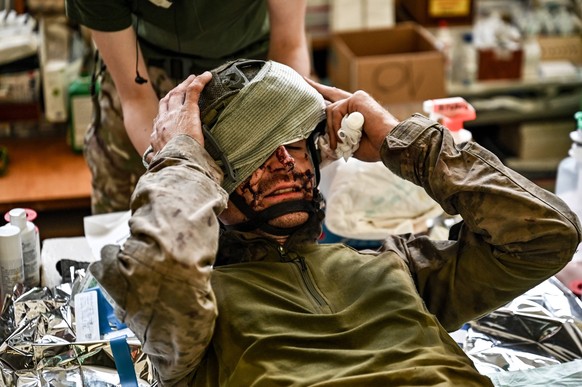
[{"x": 299, "y": 262}]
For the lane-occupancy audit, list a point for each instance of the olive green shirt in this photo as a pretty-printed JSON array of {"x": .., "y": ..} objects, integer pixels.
[
  {"x": 209, "y": 31},
  {"x": 306, "y": 314}
]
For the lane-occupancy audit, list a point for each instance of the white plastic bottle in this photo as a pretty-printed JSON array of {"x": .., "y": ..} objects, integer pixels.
[
  {"x": 468, "y": 61},
  {"x": 446, "y": 46},
  {"x": 569, "y": 176},
  {"x": 532, "y": 54},
  {"x": 29, "y": 239},
  {"x": 11, "y": 264}
]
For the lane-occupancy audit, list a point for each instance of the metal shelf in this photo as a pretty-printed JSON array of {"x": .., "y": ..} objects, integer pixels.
[
  {"x": 501, "y": 102},
  {"x": 489, "y": 88}
]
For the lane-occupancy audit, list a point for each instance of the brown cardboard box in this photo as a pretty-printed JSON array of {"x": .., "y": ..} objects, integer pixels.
[
  {"x": 499, "y": 64},
  {"x": 540, "y": 140},
  {"x": 394, "y": 65},
  {"x": 561, "y": 48}
]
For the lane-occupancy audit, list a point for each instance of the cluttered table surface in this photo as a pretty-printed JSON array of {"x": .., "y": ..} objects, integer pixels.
[{"x": 44, "y": 174}]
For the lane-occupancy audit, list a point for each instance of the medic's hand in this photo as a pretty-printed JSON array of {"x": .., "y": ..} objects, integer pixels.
[
  {"x": 378, "y": 122},
  {"x": 178, "y": 113}
]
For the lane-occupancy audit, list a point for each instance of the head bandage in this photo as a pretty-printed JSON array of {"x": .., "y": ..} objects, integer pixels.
[{"x": 276, "y": 107}]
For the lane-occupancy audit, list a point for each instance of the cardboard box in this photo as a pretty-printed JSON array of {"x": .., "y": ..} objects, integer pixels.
[
  {"x": 394, "y": 65},
  {"x": 542, "y": 140},
  {"x": 46, "y": 6},
  {"x": 431, "y": 12},
  {"x": 499, "y": 64},
  {"x": 567, "y": 48},
  {"x": 350, "y": 15}
]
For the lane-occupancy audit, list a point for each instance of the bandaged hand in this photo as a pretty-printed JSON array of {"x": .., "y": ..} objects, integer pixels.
[
  {"x": 178, "y": 113},
  {"x": 349, "y": 134},
  {"x": 378, "y": 122}
]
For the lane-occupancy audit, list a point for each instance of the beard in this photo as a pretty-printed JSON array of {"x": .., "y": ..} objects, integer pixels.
[
  {"x": 260, "y": 194},
  {"x": 290, "y": 220},
  {"x": 304, "y": 182}
]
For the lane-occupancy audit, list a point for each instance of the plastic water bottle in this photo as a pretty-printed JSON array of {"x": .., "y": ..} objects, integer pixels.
[
  {"x": 569, "y": 176},
  {"x": 30, "y": 242}
]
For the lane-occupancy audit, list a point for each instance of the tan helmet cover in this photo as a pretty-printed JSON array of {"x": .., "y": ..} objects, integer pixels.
[{"x": 276, "y": 107}]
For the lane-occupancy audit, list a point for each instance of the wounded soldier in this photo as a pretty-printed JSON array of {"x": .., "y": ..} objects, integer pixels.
[{"x": 222, "y": 278}]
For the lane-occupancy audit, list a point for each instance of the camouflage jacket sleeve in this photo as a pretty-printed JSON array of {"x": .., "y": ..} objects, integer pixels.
[
  {"x": 514, "y": 235},
  {"x": 160, "y": 277}
]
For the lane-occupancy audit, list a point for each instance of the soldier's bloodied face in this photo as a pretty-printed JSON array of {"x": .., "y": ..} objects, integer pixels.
[{"x": 286, "y": 175}]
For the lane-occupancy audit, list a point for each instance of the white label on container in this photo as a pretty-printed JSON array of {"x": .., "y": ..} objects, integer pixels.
[
  {"x": 81, "y": 110},
  {"x": 87, "y": 316},
  {"x": 31, "y": 268},
  {"x": 11, "y": 274}
]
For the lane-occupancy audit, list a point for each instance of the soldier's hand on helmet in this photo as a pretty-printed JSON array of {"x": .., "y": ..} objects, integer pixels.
[
  {"x": 178, "y": 113},
  {"x": 378, "y": 122}
]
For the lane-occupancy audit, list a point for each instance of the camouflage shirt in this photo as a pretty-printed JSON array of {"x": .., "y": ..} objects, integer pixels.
[{"x": 306, "y": 314}]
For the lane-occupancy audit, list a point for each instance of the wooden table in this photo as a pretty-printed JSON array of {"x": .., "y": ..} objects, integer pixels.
[{"x": 44, "y": 174}]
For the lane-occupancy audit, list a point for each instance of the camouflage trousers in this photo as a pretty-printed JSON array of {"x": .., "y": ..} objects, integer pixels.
[{"x": 114, "y": 163}]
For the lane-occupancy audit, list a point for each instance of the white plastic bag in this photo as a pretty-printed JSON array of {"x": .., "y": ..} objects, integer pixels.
[{"x": 367, "y": 201}]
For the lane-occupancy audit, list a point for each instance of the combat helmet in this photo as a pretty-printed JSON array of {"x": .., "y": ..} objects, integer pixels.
[{"x": 249, "y": 109}]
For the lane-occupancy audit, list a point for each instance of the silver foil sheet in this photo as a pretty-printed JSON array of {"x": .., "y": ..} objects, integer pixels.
[
  {"x": 39, "y": 348},
  {"x": 539, "y": 329}
]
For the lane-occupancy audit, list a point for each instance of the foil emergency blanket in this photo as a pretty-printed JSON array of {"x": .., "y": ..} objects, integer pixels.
[
  {"x": 37, "y": 331},
  {"x": 539, "y": 330},
  {"x": 535, "y": 337}
]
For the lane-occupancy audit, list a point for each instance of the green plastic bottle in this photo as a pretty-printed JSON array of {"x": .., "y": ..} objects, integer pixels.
[{"x": 80, "y": 111}]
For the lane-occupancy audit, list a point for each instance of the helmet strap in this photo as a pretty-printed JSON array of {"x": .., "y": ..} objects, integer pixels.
[{"x": 259, "y": 219}]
